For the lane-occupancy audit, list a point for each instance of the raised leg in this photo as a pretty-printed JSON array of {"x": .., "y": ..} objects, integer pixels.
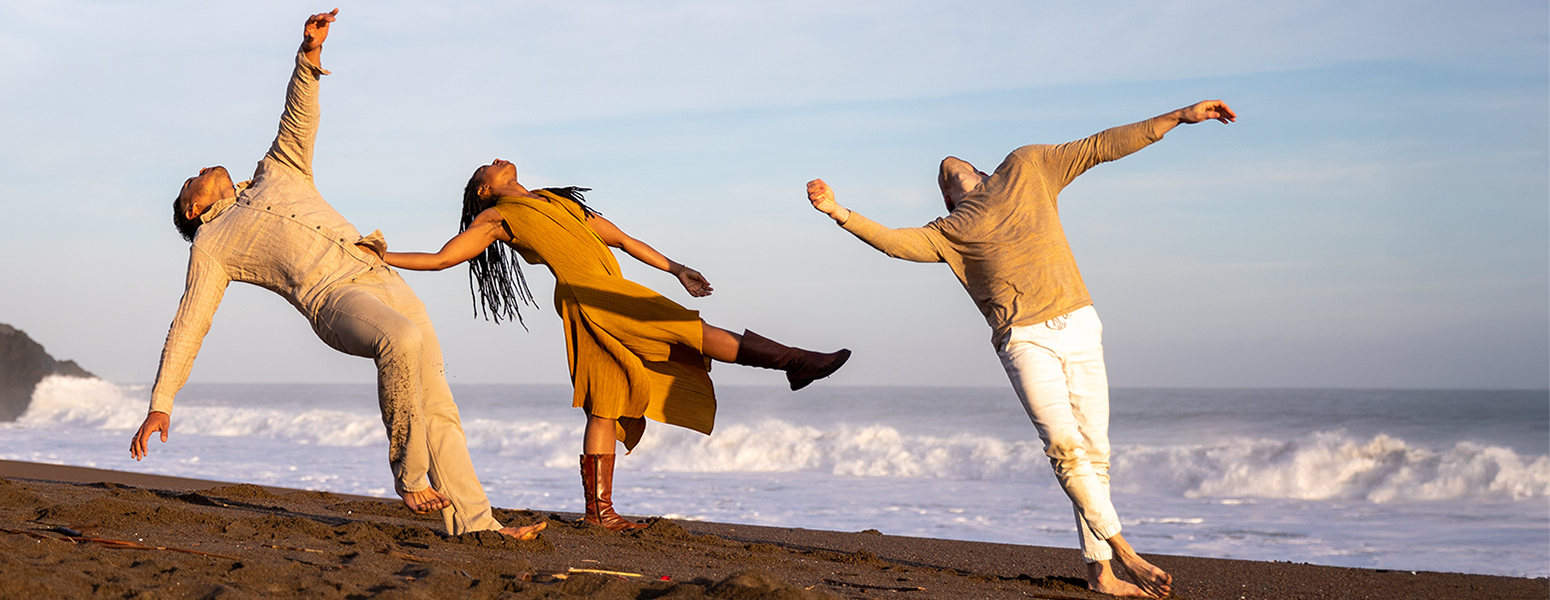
[
  {"x": 719, "y": 343},
  {"x": 802, "y": 367}
]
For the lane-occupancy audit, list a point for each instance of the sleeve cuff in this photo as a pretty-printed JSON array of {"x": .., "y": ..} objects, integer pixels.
[
  {"x": 853, "y": 222},
  {"x": 303, "y": 63}
]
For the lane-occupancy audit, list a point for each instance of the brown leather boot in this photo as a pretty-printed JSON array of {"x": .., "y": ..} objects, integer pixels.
[
  {"x": 597, "y": 486},
  {"x": 801, "y": 366}
]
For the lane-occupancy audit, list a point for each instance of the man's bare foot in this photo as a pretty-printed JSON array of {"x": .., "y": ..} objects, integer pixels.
[
  {"x": 524, "y": 533},
  {"x": 426, "y": 501},
  {"x": 1101, "y": 579},
  {"x": 1151, "y": 579}
]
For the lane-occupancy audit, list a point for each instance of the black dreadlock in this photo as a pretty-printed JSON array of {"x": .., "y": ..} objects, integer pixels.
[{"x": 495, "y": 276}]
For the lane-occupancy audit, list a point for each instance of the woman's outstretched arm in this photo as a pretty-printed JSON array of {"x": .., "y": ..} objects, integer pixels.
[
  {"x": 483, "y": 232},
  {"x": 691, "y": 279}
]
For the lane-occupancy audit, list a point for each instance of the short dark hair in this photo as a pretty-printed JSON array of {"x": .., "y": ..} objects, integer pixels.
[{"x": 186, "y": 227}]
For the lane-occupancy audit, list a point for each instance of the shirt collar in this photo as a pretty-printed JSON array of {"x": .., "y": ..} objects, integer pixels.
[{"x": 216, "y": 209}]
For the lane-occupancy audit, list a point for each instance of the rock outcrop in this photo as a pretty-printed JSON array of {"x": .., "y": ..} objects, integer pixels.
[{"x": 23, "y": 363}]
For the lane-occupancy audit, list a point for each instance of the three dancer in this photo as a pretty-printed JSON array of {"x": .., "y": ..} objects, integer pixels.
[
  {"x": 633, "y": 354},
  {"x": 1003, "y": 240}
]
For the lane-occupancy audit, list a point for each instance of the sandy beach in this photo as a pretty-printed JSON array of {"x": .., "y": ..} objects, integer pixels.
[{"x": 73, "y": 532}]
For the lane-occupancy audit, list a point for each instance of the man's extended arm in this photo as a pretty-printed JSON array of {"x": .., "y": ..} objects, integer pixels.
[
  {"x": 918, "y": 244},
  {"x": 1066, "y": 161},
  {"x": 202, "y": 293},
  {"x": 299, "y": 123}
]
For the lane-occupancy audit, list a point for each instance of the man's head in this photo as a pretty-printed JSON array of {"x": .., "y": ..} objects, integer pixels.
[
  {"x": 211, "y": 185},
  {"x": 957, "y": 178}
]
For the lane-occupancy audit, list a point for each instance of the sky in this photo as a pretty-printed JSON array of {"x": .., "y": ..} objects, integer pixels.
[{"x": 1378, "y": 217}]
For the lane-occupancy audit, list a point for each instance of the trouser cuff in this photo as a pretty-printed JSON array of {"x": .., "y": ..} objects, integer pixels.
[{"x": 1100, "y": 551}]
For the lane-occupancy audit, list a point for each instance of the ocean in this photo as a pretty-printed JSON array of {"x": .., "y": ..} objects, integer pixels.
[{"x": 1434, "y": 480}]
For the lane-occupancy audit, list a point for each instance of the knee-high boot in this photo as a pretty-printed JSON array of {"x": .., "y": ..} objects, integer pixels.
[
  {"x": 597, "y": 485},
  {"x": 801, "y": 366}
]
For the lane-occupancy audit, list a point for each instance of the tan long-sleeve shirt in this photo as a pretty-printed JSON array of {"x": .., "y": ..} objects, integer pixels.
[
  {"x": 1004, "y": 240},
  {"x": 278, "y": 233}
]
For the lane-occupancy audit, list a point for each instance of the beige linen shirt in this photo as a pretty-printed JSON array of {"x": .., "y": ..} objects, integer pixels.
[
  {"x": 1004, "y": 241},
  {"x": 277, "y": 233}
]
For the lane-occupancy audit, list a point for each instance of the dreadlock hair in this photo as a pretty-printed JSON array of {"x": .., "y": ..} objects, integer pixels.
[{"x": 495, "y": 278}]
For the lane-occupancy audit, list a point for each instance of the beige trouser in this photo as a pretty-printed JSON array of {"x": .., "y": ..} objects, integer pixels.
[
  {"x": 1057, "y": 369},
  {"x": 377, "y": 316}
]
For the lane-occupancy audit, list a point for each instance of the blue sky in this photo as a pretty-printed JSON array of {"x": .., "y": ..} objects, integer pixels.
[{"x": 1379, "y": 216}]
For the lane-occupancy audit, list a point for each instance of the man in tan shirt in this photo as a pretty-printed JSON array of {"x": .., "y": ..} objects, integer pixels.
[
  {"x": 1003, "y": 240},
  {"x": 277, "y": 232}
]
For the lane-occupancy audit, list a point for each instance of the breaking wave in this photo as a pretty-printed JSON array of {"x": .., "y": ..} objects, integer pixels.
[
  {"x": 1333, "y": 466},
  {"x": 1328, "y": 465}
]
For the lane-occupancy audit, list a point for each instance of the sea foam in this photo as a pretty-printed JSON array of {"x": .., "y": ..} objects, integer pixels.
[
  {"x": 1332, "y": 465},
  {"x": 1328, "y": 465}
]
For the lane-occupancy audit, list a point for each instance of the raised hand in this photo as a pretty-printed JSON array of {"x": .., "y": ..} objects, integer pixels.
[
  {"x": 1207, "y": 109},
  {"x": 315, "y": 32},
  {"x": 822, "y": 197}
]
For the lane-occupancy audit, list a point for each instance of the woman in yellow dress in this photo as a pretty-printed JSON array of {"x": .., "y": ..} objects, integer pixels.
[{"x": 633, "y": 354}]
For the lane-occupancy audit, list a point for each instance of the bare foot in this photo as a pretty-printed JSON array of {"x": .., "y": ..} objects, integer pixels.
[
  {"x": 1101, "y": 579},
  {"x": 524, "y": 533},
  {"x": 426, "y": 501},
  {"x": 1153, "y": 580}
]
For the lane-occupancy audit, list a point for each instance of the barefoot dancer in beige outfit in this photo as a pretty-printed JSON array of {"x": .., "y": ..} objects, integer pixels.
[
  {"x": 1003, "y": 239},
  {"x": 277, "y": 232}
]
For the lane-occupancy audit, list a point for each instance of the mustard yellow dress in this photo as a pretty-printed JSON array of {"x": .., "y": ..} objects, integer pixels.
[{"x": 632, "y": 353}]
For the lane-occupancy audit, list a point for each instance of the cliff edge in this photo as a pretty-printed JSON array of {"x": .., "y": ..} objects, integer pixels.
[{"x": 23, "y": 363}]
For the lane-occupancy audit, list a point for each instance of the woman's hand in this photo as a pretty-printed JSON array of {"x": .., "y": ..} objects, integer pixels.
[{"x": 693, "y": 281}]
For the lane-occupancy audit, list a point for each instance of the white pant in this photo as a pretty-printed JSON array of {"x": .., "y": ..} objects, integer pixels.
[
  {"x": 377, "y": 316},
  {"x": 1057, "y": 369}
]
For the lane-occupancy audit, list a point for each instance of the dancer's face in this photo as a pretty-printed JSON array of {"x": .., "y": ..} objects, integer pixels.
[
  {"x": 208, "y": 187},
  {"x": 495, "y": 175},
  {"x": 957, "y": 178}
]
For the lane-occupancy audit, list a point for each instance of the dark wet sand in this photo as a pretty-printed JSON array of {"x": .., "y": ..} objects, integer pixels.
[{"x": 63, "y": 527}]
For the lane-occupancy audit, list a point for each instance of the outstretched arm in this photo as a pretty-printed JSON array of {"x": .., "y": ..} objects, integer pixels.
[
  {"x": 910, "y": 243},
  {"x": 202, "y": 292},
  {"x": 691, "y": 279},
  {"x": 486, "y": 229},
  {"x": 299, "y": 123},
  {"x": 1063, "y": 163}
]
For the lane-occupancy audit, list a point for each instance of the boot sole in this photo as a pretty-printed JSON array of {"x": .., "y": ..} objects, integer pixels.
[{"x": 796, "y": 384}]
